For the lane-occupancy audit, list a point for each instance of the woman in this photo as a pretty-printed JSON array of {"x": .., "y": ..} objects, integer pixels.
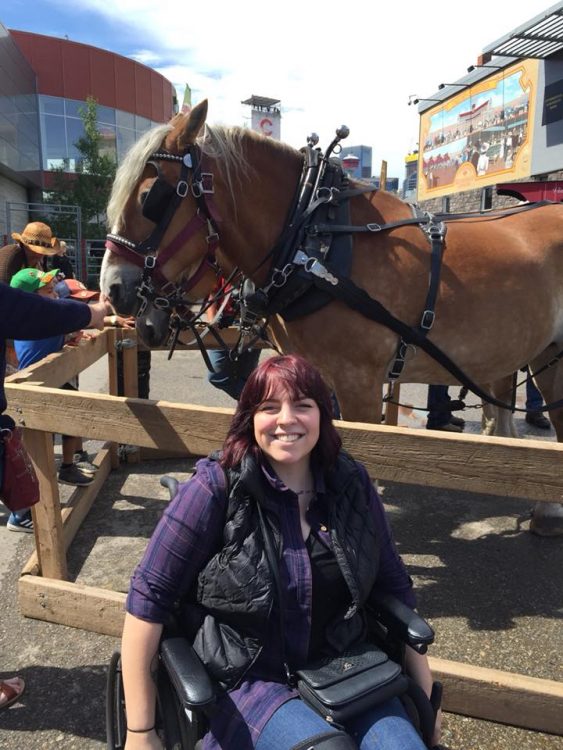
[{"x": 283, "y": 449}]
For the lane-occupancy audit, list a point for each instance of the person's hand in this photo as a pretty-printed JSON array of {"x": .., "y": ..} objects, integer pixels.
[
  {"x": 72, "y": 339},
  {"x": 143, "y": 741},
  {"x": 120, "y": 322},
  {"x": 99, "y": 310}
]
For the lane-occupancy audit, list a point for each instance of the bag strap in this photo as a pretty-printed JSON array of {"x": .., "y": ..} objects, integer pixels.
[{"x": 271, "y": 556}]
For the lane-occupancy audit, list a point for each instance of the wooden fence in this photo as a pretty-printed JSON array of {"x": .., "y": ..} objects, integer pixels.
[{"x": 496, "y": 466}]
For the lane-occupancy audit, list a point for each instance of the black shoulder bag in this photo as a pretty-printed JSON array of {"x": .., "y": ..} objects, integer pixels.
[{"x": 339, "y": 687}]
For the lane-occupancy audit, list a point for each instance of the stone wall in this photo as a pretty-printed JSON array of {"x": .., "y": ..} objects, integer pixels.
[{"x": 470, "y": 200}]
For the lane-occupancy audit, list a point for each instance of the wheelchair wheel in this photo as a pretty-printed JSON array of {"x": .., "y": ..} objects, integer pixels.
[
  {"x": 116, "y": 724},
  {"x": 177, "y": 728}
]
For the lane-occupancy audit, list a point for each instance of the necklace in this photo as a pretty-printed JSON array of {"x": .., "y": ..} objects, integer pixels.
[{"x": 305, "y": 492}]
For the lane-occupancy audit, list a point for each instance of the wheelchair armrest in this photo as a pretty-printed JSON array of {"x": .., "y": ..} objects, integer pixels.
[
  {"x": 187, "y": 673},
  {"x": 403, "y": 622}
]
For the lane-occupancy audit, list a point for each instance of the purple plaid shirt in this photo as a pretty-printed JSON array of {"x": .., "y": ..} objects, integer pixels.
[{"x": 190, "y": 533}]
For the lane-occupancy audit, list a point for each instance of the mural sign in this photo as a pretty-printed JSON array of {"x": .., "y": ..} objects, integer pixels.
[{"x": 481, "y": 136}]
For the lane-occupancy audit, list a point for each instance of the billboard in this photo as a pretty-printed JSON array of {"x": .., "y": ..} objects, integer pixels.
[
  {"x": 481, "y": 136},
  {"x": 267, "y": 123}
]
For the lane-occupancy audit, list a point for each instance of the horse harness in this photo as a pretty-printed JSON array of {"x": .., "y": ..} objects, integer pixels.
[
  {"x": 300, "y": 262},
  {"x": 317, "y": 225}
]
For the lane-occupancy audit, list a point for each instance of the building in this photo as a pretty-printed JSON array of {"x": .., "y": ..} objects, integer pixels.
[
  {"x": 490, "y": 137},
  {"x": 356, "y": 161},
  {"x": 44, "y": 84},
  {"x": 265, "y": 115}
]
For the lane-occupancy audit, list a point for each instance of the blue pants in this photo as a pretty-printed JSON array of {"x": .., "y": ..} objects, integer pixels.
[
  {"x": 385, "y": 727},
  {"x": 231, "y": 376},
  {"x": 534, "y": 400},
  {"x": 438, "y": 411}
]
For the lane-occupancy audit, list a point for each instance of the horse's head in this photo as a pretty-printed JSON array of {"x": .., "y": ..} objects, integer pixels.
[{"x": 163, "y": 233}]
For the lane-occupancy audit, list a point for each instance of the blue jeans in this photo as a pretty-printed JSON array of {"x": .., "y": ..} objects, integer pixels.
[
  {"x": 231, "y": 376},
  {"x": 439, "y": 412},
  {"x": 385, "y": 727},
  {"x": 534, "y": 400}
]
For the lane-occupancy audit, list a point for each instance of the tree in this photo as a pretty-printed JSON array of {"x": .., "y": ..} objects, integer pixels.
[{"x": 89, "y": 187}]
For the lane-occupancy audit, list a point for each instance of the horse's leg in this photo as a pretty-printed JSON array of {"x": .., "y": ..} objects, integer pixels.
[
  {"x": 359, "y": 394},
  {"x": 499, "y": 421},
  {"x": 547, "y": 518},
  {"x": 488, "y": 417}
]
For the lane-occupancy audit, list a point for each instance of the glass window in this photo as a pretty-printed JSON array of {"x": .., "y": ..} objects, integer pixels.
[
  {"x": 107, "y": 141},
  {"x": 106, "y": 115},
  {"x": 124, "y": 119},
  {"x": 125, "y": 139},
  {"x": 74, "y": 131},
  {"x": 51, "y": 105},
  {"x": 54, "y": 145},
  {"x": 73, "y": 107},
  {"x": 142, "y": 124}
]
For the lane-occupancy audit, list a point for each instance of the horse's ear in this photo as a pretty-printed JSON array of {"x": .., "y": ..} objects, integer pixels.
[{"x": 193, "y": 125}]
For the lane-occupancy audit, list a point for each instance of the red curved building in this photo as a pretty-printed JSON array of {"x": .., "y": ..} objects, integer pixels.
[{"x": 43, "y": 88}]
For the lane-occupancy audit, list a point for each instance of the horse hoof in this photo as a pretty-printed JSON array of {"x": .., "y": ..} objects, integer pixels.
[{"x": 547, "y": 520}]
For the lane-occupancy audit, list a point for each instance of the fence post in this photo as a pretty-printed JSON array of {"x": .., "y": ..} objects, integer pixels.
[
  {"x": 112, "y": 384},
  {"x": 83, "y": 270},
  {"x": 47, "y": 519}
]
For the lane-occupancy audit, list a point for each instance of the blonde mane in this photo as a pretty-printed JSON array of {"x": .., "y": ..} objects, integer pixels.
[
  {"x": 221, "y": 143},
  {"x": 130, "y": 171}
]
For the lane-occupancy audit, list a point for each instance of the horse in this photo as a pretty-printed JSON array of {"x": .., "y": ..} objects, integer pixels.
[{"x": 498, "y": 306}]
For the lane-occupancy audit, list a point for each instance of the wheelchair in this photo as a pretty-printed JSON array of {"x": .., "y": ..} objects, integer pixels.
[{"x": 186, "y": 694}]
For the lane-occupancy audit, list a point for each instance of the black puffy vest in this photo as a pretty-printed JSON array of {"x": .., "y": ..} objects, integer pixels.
[{"x": 236, "y": 590}]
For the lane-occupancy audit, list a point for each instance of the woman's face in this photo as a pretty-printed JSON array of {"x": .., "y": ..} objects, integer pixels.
[{"x": 287, "y": 430}]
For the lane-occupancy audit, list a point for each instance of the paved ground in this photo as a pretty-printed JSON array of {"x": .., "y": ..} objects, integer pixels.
[{"x": 492, "y": 591}]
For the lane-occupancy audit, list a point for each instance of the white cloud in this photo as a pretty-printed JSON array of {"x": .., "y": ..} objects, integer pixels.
[{"x": 329, "y": 63}]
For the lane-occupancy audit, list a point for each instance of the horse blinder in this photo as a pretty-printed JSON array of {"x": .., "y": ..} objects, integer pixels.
[{"x": 157, "y": 200}]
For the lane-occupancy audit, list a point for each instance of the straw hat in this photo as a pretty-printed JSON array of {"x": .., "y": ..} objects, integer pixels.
[{"x": 38, "y": 238}]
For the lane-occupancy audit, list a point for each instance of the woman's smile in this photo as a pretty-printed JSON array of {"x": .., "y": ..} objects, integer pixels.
[{"x": 287, "y": 429}]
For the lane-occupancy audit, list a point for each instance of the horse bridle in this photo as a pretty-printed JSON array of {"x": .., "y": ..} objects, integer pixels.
[{"x": 159, "y": 206}]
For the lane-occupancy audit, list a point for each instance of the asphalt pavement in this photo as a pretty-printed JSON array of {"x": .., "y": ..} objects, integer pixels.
[{"x": 492, "y": 590}]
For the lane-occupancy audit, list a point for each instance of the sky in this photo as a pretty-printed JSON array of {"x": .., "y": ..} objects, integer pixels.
[{"x": 330, "y": 63}]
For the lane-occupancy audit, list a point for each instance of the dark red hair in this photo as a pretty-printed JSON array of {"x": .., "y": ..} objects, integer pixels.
[{"x": 298, "y": 378}]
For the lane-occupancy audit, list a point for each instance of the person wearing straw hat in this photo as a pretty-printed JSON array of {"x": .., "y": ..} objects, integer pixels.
[{"x": 31, "y": 250}]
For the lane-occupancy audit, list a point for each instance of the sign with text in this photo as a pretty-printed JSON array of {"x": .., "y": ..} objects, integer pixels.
[{"x": 267, "y": 123}]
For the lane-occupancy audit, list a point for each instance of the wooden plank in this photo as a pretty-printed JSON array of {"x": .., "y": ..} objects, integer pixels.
[
  {"x": 131, "y": 381},
  {"x": 140, "y": 422},
  {"x": 130, "y": 363},
  {"x": 46, "y": 513},
  {"x": 58, "y": 368},
  {"x": 392, "y": 409},
  {"x": 83, "y": 498},
  {"x": 499, "y": 696},
  {"x": 473, "y": 691},
  {"x": 498, "y": 466},
  {"x": 86, "y": 607},
  {"x": 112, "y": 384},
  {"x": 78, "y": 507}
]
